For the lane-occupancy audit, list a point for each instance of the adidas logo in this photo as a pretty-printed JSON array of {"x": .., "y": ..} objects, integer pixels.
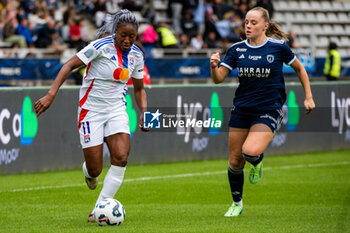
[
  {"x": 113, "y": 58},
  {"x": 241, "y": 57}
]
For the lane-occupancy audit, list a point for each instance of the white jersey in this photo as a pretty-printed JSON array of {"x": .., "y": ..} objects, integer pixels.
[{"x": 101, "y": 90}]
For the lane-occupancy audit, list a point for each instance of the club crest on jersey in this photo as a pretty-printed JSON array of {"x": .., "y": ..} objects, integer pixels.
[
  {"x": 87, "y": 138},
  {"x": 270, "y": 58},
  {"x": 131, "y": 61},
  {"x": 86, "y": 130}
]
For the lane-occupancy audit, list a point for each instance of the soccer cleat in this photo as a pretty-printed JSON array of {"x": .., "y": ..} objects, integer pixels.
[
  {"x": 91, "y": 182},
  {"x": 234, "y": 210},
  {"x": 256, "y": 173},
  {"x": 91, "y": 217}
]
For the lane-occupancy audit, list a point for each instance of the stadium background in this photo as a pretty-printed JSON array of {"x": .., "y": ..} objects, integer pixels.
[
  {"x": 59, "y": 28},
  {"x": 300, "y": 191}
]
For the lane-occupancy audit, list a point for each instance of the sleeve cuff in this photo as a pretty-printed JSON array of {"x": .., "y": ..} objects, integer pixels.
[
  {"x": 227, "y": 66},
  {"x": 82, "y": 58},
  {"x": 289, "y": 63}
]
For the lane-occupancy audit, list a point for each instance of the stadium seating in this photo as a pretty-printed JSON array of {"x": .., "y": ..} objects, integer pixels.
[{"x": 319, "y": 20}]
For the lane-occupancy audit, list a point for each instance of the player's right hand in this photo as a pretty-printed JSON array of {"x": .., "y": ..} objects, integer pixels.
[
  {"x": 214, "y": 59},
  {"x": 42, "y": 104}
]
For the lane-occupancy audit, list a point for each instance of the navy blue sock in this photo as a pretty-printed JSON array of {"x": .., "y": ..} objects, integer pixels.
[
  {"x": 254, "y": 160},
  {"x": 236, "y": 179}
]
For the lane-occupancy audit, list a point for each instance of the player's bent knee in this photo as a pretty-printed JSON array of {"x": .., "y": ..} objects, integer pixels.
[
  {"x": 120, "y": 160},
  {"x": 252, "y": 151},
  {"x": 95, "y": 171},
  {"x": 237, "y": 162}
]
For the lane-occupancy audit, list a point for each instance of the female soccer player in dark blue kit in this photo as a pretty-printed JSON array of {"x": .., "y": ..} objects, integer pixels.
[{"x": 257, "y": 106}]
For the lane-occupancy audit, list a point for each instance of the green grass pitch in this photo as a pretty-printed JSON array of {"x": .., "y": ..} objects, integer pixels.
[{"x": 298, "y": 193}]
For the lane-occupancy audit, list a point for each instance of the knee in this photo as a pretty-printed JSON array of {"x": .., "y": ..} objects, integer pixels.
[
  {"x": 120, "y": 160},
  {"x": 237, "y": 162},
  {"x": 95, "y": 171},
  {"x": 251, "y": 150}
]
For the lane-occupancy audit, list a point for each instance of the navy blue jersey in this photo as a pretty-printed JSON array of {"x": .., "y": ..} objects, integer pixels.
[{"x": 261, "y": 82}]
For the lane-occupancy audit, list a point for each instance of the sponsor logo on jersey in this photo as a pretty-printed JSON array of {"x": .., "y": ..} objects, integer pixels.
[
  {"x": 253, "y": 72},
  {"x": 241, "y": 49},
  {"x": 241, "y": 57},
  {"x": 270, "y": 58},
  {"x": 254, "y": 58},
  {"x": 113, "y": 58}
]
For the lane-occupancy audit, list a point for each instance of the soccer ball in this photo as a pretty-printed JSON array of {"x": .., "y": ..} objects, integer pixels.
[{"x": 109, "y": 212}]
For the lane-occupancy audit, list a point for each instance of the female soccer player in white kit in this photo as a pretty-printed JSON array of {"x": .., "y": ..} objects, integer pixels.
[
  {"x": 257, "y": 107},
  {"x": 102, "y": 115}
]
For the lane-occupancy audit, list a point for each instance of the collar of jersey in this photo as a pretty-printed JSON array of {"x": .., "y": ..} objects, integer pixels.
[{"x": 256, "y": 46}]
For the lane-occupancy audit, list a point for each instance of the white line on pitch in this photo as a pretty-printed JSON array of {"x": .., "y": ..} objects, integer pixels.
[{"x": 178, "y": 176}]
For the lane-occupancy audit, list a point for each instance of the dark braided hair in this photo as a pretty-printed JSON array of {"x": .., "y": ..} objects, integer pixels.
[{"x": 122, "y": 16}]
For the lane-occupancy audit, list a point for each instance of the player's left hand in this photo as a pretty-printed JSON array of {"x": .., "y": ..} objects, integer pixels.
[
  {"x": 141, "y": 124},
  {"x": 309, "y": 105}
]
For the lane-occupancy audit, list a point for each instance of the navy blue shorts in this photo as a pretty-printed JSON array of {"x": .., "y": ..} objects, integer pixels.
[{"x": 246, "y": 119}]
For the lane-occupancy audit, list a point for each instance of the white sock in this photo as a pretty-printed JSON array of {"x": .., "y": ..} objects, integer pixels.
[
  {"x": 112, "y": 182},
  {"x": 86, "y": 173},
  {"x": 239, "y": 203}
]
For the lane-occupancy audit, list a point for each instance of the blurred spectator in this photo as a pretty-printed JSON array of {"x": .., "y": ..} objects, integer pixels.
[
  {"x": 197, "y": 42},
  {"x": 44, "y": 34},
  {"x": 69, "y": 13},
  {"x": 149, "y": 36},
  {"x": 75, "y": 39},
  {"x": 57, "y": 42},
  {"x": 23, "y": 30},
  {"x": 175, "y": 8},
  {"x": 291, "y": 40},
  {"x": 188, "y": 25},
  {"x": 100, "y": 12},
  {"x": 167, "y": 38},
  {"x": 184, "y": 42},
  {"x": 199, "y": 13},
  {"x": 84, "y": 30},
  {"x": 112, "y": 6},
  {"x": 243, "y": 9},
  {"x": 85, "y": 7},
  {"x": 27, "y": 5},
  {"x": 9, "y": 33},
  {"x": 131, "y": 5},
  {"x": 211, "y": 41},
  {"x": 55, "y": 14},
  {"x": 332, "y": 65},
  {"x": 210, "y": 19},
  {"x": 268, "y": 5},
  {"x": 36, "y": 18},
  {"x": 41, "y": 5},
  {"x": 148, "y": 11},
  {"x": 220, "y": 9},
  {"x": 52, "y": 4}
]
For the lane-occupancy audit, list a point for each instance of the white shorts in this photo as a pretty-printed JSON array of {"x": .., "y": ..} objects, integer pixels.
[{"x": 95, "y": 126}]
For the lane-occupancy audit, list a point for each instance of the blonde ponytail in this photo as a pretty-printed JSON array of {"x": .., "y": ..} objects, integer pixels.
[{"x": 274, "y": 30}]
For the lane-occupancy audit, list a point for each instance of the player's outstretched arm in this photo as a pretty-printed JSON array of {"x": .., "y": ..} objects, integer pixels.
[
  {"x": 218, "y": 74},
  {"x": 44, "y": 103},
  {"x": 141, "y": 99},
  {"x": 309, "y": 103}
]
